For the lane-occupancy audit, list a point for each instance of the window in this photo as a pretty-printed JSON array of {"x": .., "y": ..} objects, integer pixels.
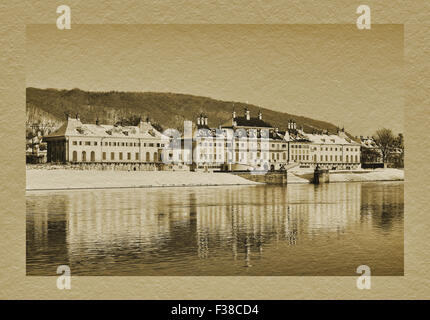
[
  {"x": 112, "y": 155},
  {"x": 137, "y": 155},
  {"x": 87, "y": 143},
  {"x": 120, "y": 156},
  {"x": 95, "y": 143},
  {"x": 106, "y": 143},
  {"x": 75, "y": 156},
  {"x": 155, "y": 156},
  {"x": 74, "y": 143},
  {"x": 129, "y": 156},
  {"x": 84, "y": 156},
  {"x": 104, "y": 155},
  {"x": 80, "y": 143},
  {"x": 93, "y": 156}
]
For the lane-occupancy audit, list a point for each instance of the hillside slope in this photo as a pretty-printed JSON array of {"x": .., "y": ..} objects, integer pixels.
[{"x": 167, "y": 109}]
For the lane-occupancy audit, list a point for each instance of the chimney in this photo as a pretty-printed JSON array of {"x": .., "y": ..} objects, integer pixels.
[
  {"x": 247, "y": 114},
  {"x": 233, "y": 117},
  {"x": 198, "y": 121},
  {"x": 260, "y": 115},
  {"x": 206, "y": 120}
]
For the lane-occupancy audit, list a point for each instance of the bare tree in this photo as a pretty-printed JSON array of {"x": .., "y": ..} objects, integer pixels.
[{"x": 385, "y": 140}]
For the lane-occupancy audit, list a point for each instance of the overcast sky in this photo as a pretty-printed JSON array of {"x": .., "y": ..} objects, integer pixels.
[{"x": 337, "y": 73}]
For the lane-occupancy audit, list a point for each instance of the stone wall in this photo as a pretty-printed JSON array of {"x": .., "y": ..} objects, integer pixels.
[
  {"x": 151, "y": 166},
  {"x": 321, "y": 176}
]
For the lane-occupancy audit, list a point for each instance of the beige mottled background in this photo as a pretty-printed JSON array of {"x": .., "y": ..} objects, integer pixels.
[{"x": 411, "y": 15}]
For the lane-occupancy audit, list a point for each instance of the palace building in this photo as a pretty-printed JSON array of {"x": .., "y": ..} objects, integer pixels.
[
  {"x": 76, "y": 142},
  {"x": 243, "y": 144},
  {"x": 327, "y": 151}
]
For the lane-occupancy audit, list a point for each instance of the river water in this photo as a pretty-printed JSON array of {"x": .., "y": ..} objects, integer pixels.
[{"x": 328, "y": 229}]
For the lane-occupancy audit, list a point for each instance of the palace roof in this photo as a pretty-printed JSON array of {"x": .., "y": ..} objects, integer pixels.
[
  {"x": 74, "y": 128},
  {"x": 329, "y": 139}
]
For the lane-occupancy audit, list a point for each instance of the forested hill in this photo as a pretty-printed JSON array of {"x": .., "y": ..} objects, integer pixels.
[{"x": 167, "y": 109}]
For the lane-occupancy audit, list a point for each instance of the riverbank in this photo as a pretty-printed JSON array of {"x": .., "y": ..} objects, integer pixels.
[
  {"x": 66, "y": 179},
  {"x": 362, "y": 175},
  {"x": 61, "y": 179},
  {"x": 388, "y": 174}
]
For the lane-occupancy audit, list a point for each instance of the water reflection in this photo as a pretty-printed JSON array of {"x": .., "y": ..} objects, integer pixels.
[{"x": 218, "y": 230}]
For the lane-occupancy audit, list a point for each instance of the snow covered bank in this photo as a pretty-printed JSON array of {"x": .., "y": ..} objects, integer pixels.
[
  {"x": 95, "y": 179},
  {"x": 366, "y": 175}
]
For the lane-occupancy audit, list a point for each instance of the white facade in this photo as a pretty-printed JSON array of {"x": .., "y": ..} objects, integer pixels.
[
  {"x": 328, "y": 151},
  {"x": 78, "y": 142}
]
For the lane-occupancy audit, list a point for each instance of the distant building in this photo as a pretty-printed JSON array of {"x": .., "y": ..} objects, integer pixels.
[
  {"x": 371, "y": 155},
  {"x": 76, "y": 142}
]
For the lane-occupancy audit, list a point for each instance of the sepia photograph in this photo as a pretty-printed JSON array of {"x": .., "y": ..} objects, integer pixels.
[{"x": 214, "y": 150}]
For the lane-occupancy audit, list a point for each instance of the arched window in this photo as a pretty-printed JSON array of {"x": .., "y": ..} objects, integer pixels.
[
  {"x": 148, "y": 157},
  {"x": 75, "y": 156},
  {"x": 155, "y": 156},
  {"x": 84, "y": 156},
  {"x": 93, "y": 156}
]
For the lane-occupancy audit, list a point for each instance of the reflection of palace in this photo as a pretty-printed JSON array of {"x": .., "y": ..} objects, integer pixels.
[{"x": 159, "y": 225}]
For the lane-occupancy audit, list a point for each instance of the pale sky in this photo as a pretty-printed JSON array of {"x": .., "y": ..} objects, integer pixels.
[{"x": 336, "y": 73}]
